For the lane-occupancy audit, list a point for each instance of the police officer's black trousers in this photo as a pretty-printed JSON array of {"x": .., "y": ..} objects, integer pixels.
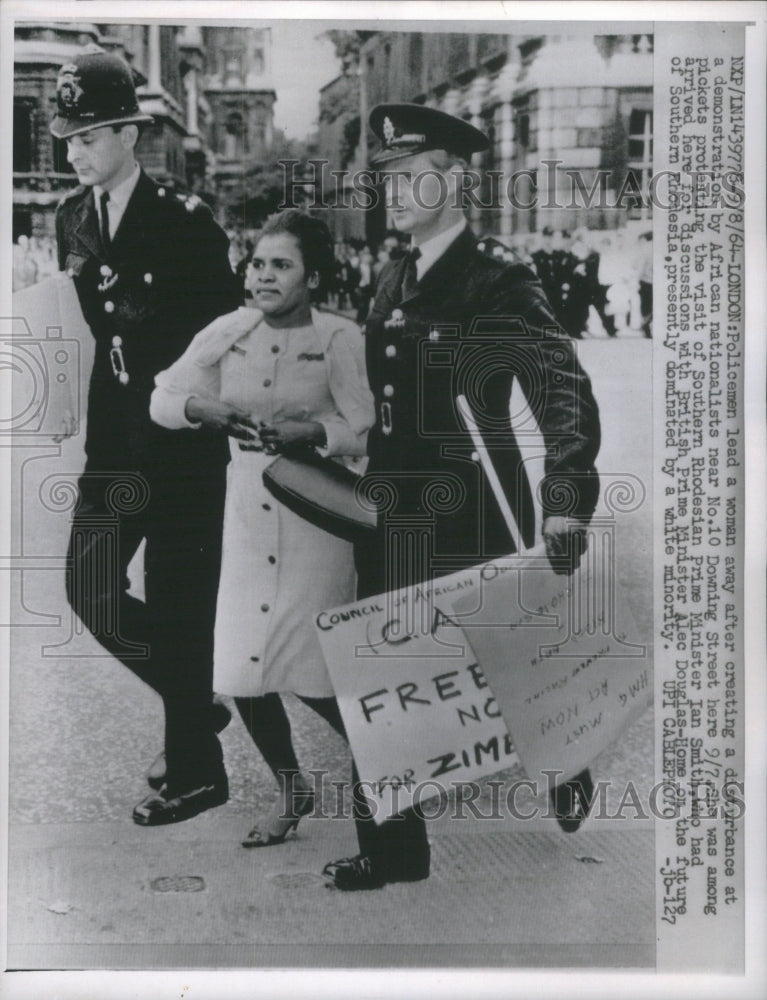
[
  {"x": 399, "y": 845},
  {"x": 166, "y": 640}
]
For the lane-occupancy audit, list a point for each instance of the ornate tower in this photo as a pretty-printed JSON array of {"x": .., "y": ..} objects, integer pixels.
[{"x": 240, "y": 100}]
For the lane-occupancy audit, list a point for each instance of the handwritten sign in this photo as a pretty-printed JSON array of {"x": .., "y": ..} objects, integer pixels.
[
  {"x": 49, "y": 339},
  {"x": 562, "y": 657},
  {"x": 418, "y": 710}
]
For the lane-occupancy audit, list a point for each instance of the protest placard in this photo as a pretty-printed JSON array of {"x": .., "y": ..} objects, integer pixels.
[
  {"x": 417, "y": 708},
  {"x": 562, "y": 658}
]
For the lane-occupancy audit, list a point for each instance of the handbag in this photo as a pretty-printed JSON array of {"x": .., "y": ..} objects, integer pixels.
[{"x": 322, "y": 492}]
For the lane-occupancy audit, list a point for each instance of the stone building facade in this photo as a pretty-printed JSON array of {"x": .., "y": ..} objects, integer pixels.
[
  {"x": 208, "y": 90},
  {"x": 580, "y": 98}
]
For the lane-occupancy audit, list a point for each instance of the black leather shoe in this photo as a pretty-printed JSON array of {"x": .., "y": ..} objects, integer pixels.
[
  {"x": 174, "y": 806},
  {"x": 155, "y": 776},
  {"x": 357, "y": 873},
  {"x": 571, "y": 801}
]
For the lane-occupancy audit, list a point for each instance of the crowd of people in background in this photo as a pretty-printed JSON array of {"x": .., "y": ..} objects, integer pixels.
[{"x": 599, "y": 282}]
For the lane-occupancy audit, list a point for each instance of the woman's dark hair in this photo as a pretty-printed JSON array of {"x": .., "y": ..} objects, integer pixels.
[{"x": 314, "y": 242}]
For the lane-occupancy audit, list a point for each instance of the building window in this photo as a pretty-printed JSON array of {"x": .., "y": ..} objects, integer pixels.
[
  {"x": 61, "y": 164},
  {"x": 386, "y": 65},
  {"x": 233, "y": 66},
  {"x": 22, "y": 136},
  {"x": 640, "y": 157},
  {"x": 415, "y": 57},
  {"x": 523, "y": 131},
  {"x": 234, "y": 140},
  {"x": 22, "y": 223}
]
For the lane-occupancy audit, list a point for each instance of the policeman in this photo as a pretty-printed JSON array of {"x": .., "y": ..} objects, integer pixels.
[
  {"x": 150, "y": 269},
  {"x": 449, "y": 319},
  {"x": 543, "y": 262}
]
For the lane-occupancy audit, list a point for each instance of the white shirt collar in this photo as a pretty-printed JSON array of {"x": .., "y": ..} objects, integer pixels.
[
  {"x": 120, "y": 195},
  {"x": 432, "y": 250}
]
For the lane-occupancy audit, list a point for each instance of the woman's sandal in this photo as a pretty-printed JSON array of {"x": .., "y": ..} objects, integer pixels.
[{"x": 280, "y": 820}]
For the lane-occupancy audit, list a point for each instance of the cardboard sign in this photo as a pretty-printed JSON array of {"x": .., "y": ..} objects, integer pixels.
[
  {"x": 417, "y": 708},
  {"x": 562, "y": 657},
  {"x": 50, "y": 341}
]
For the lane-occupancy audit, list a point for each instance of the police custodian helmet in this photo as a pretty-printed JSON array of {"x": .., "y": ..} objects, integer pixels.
[
  {"x": 95, "y": 89},
  {"x": 408, "y": 129}
]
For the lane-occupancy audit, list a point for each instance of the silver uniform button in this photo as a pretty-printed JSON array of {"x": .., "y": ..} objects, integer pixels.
[
  {"x": 388, "y": 390},
  {"x": 117, "y": 342},
  {"x": 391, "y": 351},
  {"x": 148, "y": 278},
  {"x": 475, "y": 456},
  {"x": 109, "y": 307},
  {"x": 124, "y": 378},
  {"x": 105, "y": 271},
  {"x": 434, "y": 335}
]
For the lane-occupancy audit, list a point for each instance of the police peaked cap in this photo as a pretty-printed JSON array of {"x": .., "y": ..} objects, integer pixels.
[
  {"x": 407, "y": 129},
  {"x": 95, "y": 89}
]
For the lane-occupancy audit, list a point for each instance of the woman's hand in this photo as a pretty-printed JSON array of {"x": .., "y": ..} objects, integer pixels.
[
  {"x": 221, "y": 416},
  {"x": 286, "y": 434}
]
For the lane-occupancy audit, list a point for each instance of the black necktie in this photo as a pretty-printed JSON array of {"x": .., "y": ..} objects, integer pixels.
[
  {"x": 106, "y": 239},
  {"x": 410, "y": 277}
]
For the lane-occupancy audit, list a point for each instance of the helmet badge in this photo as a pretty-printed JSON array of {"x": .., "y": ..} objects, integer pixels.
[{"x": 70, "y": 90}]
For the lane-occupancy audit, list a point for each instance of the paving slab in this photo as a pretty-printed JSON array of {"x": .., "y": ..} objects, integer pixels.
[{"x": 113, "y": 895}]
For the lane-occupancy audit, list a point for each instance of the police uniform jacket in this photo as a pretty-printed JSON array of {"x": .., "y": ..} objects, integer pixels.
[
  {"x": 472, "y": 325},
  {"x": 164, "y": 277}
]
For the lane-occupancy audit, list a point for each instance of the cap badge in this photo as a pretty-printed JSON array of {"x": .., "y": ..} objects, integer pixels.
[
  {"x": 388, "y": 129},
  {"x": 70, "y": 90}
]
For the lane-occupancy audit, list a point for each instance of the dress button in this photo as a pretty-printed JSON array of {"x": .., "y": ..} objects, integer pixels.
[
  {"x": 264, "y": 607},
  {"x": 117, "y": 342},
  {"x": 388, "y": 390},
  {"x": 267, "y": 383},
  {"x": 266, "y": 506},
  {"x": 70, "y": 272},
  {"x": 275, "y": 348},
  {"x": 475, "y": 456},
  {"x": 148, "y": 278},
  {"x": 391, "y": 351},
  {"x": 109, "y": 307},
  {"x": 434, "y": 335},
  {"x": 272, "y": 560},
  {"x": 105, "y": 271}
]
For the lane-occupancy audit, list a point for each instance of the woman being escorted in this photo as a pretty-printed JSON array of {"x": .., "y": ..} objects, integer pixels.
[{"x": 276, "y": 377}]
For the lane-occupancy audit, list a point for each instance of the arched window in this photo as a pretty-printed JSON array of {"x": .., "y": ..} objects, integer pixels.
[
  {"x": 234, "y": 139},
  {"x": 22, "y": 136}
]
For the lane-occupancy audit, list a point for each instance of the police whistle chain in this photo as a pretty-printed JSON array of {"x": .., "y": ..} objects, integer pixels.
[{"x": 492, "y": 475}]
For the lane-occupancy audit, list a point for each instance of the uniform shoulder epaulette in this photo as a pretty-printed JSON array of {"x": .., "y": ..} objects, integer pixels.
[
  {"x": 192, "y": 204},
  {"x": 494, "y": 250}
]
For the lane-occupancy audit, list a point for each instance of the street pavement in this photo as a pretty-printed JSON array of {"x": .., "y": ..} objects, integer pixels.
[{"x": 89, "y": 889}]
